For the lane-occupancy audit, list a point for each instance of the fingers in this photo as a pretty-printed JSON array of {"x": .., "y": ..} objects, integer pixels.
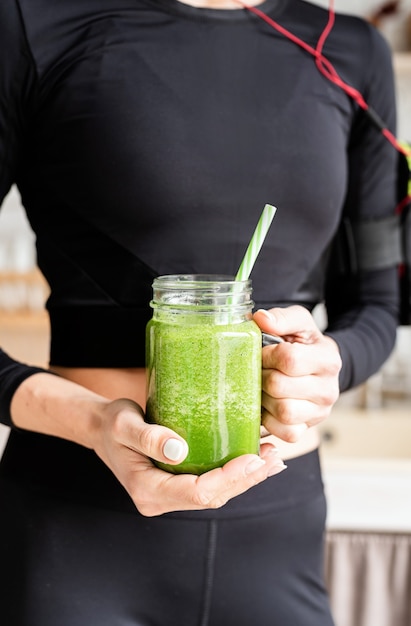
[
  {"x": 321, "y": 390},
  {"x": 290, "y": 433},
  {"x": 294, "y": 323},
  {"x": 291, "y": 405},
  {"x": 297, "y": 359},
  {"x": 238, "y": 475},
  {"x": 300, "y": 375},
  {"x": 130, "y": 444},
  {"x": 289, "y": 419},
  {"x": 165, "y": 492}
]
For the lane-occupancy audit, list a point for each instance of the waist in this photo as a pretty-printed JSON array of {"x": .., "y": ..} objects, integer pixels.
[
  {"x": 131, "y": 383},
  {"x": 109, "y": 382}
]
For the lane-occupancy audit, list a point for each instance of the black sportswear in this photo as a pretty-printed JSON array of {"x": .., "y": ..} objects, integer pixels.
[
  {"x": 70, "y": 561},
  {"x": 145, "y": 136}
]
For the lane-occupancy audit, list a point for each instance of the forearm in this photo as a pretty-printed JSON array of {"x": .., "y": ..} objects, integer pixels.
[
  {"x": 365, "y": 344},
  {"x": 362, "y": 318},
  {"x": 51, "y": 405}
]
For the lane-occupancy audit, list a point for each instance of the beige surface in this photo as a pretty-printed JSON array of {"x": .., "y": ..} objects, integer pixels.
[
  {"x": 368, "y": 495},
  {"x": 24, "y": 330},
  {"x": 382, "y": 433},
  {"x": 366, "y": 459},
  {"x": 25, "y": 336}
]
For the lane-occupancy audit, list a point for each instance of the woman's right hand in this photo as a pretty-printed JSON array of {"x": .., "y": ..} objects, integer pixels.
[
  {"x": 116, "y": 431},
  {"x": 126, "y": 444}
]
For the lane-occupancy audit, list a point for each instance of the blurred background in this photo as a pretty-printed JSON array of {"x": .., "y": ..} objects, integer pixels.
[{"x": 366, "y": 447}]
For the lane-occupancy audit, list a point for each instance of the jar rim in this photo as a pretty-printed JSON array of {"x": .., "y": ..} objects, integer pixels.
[{"x": 176, "y": 281}]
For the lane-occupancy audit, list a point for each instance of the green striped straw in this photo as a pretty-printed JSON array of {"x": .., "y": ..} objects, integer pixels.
[{"x": 256, "y": 242}]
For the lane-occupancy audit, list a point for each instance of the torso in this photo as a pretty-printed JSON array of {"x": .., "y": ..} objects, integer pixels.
[
  {"x": 131, "y": 170},
  {"x": 181, "y": 171}
]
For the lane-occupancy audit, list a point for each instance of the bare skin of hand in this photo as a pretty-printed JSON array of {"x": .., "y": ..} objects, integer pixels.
[
  {"x": 300, "y": 385},
  {"x": 126, "y": 444},
  {"x": 115, "y": 429},
  {"x": 300, "y": 375}
]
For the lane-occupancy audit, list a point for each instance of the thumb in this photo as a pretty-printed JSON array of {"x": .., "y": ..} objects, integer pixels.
[
  {"x": 293, "y": 323},
  {"x": 156, "y": 442},
  {"x": 160, "y": 443}
]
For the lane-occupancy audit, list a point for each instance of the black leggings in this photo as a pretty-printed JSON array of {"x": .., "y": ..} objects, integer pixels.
[{"x": 68, "y": 563}]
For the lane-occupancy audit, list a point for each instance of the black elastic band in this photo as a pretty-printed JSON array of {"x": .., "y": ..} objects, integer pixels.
[
  {"x": 375, "y": 118},
  {"x": 378, "y": 243}
]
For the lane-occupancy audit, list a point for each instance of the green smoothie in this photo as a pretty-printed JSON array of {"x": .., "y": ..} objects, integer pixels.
[{"x": 204, "y": 382}]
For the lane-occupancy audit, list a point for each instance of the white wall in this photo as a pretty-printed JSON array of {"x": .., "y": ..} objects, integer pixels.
[{"x": 16, "y": 236}]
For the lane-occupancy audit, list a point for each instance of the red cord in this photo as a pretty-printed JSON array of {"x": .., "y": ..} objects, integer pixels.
[
  {"x": 327, "y": 29},
  {"x": 323, "y": 64},
  {"x": 328, "y": 70},
  {"x": 326, "y": 67},
  {"x": 402, "y": 205}
]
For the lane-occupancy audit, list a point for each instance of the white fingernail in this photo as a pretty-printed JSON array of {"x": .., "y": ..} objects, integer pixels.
[
  {"x": 255, "y": 465},
  {"x": 267, "y": 314},
  {"x": 280, "y": 467},
  {"x": 174, "y": 449}
]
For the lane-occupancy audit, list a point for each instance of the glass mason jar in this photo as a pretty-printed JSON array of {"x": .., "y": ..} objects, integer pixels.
[{"x": 204, "y": 367}]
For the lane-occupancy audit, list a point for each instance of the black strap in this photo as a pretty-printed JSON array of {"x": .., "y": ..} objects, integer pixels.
[
  {"x": 368, "y": 245},
  {"x": 378, "y": 243}
]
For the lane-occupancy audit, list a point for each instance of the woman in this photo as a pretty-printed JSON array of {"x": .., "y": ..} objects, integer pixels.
[{"x": 145, "y": 136}]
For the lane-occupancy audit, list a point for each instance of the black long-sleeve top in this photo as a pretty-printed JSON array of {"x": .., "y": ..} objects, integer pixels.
[{"x": 145, "y": 137}]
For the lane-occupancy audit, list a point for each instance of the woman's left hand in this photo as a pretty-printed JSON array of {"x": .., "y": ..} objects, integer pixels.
[{"x": 300, "y": 374}]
